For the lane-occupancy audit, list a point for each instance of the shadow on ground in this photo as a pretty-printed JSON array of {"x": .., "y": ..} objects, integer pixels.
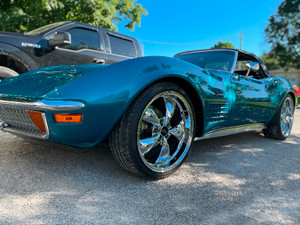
[{"x": 240, "y": 179}]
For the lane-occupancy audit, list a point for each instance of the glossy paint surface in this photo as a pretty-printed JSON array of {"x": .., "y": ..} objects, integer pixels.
[{"x": 107, "y": 91}]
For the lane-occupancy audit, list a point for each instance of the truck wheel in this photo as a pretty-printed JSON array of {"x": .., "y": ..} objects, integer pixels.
[{"x": 6, "y": 73}]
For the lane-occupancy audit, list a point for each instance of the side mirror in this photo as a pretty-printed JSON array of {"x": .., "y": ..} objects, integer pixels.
[
  {"x": 60, "y": 39},
  {"x": 254, "y": 66}
]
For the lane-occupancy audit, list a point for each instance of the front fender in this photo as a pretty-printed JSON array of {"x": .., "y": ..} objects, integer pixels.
[
  {"x": 109, "y": 91},
  {"x": 18, "y": 55}
]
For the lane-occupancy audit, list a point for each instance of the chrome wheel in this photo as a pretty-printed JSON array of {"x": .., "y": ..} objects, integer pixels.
[
  {"x": 165, "y": 131},
  {"x": 287, "y": 116}
]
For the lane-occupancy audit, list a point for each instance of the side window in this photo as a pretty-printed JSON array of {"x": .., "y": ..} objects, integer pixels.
[
  {"x": 240, "y": 68},
  {"x": 241, "y": 65},
  {"x": 218, "y": 66},
  {"x": 83, "y": 39},
  {"x": 121, "y": 46}
]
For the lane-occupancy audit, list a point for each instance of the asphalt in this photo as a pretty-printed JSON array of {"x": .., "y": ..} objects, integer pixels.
[{"x": 238, "y": 179}]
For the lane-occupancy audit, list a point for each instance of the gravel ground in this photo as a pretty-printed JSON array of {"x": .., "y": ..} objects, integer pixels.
[{"x": 238, "y": 179}]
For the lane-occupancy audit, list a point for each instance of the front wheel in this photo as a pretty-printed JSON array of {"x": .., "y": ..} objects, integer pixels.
[
  {"x": 281, "y": 125},
  {"x": 154, "y": 136}
]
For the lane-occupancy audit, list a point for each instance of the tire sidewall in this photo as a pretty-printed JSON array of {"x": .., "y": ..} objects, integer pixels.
[{"x": 274, "y": 129}]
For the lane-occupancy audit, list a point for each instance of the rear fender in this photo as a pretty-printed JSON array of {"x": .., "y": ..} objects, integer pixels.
[{"x": 283, "y": 88}]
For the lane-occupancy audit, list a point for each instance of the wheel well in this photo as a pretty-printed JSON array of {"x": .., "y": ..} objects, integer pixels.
[
  {"x": 193, "y": 95},
  {"x": 13, "y": 63},
  {"x": 293, "y": 96}
]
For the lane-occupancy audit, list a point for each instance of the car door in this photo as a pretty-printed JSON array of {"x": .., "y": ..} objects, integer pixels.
[
  {"x": 86, "y": 48},
  {"x": 217, "y": 90},
  {"x": 250, "y": 101}
]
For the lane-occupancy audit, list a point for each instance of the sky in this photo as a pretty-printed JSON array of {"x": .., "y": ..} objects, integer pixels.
[{"x": 173, "y": 26}]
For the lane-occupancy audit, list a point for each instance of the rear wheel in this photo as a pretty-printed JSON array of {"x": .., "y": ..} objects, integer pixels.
[
  {"x": 154, "y": 136},
  {"x": 281, "y": 125},
  {"x": 6, "y": 73}
]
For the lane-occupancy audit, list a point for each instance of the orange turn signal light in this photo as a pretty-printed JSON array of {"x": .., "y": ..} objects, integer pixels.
[
  {"x": 68, "y": 118},
  {"x": 37, "y": 119}
]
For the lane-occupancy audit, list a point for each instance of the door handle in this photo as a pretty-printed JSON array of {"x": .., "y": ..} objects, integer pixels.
[{"x": 99, "y": 61}]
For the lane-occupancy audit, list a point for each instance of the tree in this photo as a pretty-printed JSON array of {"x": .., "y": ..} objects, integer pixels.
[
  {"x": 283, "y": 33},
  {"x": 270, "y": 60},
  {"x": 24, "y": 15},
  {"x": 223, "y": 45}
]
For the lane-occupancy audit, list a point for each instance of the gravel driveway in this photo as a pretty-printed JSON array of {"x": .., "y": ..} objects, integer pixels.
[{"x": 239, "y": 179}]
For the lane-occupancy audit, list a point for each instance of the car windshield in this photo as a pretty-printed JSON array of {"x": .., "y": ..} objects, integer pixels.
[
  {"x": 41, "y": 30},
  {"x": 210, "y": 60}
]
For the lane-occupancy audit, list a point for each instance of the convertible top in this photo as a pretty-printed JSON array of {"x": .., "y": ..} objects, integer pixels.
[{"x": 241, "y": 53}]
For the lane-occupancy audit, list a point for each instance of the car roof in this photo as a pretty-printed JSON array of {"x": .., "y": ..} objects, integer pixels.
[{"x": 86, "y": 25}]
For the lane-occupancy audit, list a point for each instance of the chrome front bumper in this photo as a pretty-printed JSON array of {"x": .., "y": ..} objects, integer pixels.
[{"x": 46, "y": 105}]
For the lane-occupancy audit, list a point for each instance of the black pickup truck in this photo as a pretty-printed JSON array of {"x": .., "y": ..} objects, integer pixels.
[{"x": 63, "y": 43}]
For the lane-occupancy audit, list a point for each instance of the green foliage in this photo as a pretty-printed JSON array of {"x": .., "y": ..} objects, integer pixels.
[
  {"x": 283, "y": 32},
  {"x": 271, "y": 60},
  {"x": 223, "y": 45},
  {"x": 24, "y": 15}
]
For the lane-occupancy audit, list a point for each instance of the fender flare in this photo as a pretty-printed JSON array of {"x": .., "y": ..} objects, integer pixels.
[
  {"x": 18, "y": 55},
  {"x": 187, "y": 85}
]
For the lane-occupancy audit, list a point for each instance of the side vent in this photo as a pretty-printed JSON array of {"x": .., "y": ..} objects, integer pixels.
[{"x": 218, "y": 112}]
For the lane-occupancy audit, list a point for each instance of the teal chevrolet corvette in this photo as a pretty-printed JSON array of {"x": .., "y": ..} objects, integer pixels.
[{"x": 151, "y": 109}]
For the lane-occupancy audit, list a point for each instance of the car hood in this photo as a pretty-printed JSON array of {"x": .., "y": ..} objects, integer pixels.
[
  {"x": 13, "y": 37},
  {"x": 35, "y": 84}
]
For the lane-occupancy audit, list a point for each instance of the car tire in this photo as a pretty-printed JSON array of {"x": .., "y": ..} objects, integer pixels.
[
  {"x": 281, "y": 125},
  {"x": 154, "y": 136},
  {"x": 6, "y": 73}
]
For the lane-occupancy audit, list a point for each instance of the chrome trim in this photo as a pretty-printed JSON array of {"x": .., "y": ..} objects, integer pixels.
[
  {"x": 26, "y": 133},
  {"x": 234, "y": 61},
  {"x": 81, "y": 50},
  {"x": 127, "y": 57},
  {"x": 25, "y": 44},
  {"x": 232, "y": 130},
  {"x": 45, "y": 105}
]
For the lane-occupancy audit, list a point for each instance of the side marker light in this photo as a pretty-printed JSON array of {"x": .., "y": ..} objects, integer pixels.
[
  {"x": 68, "y": 118},
  {"x": 37, "y": 119}
]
